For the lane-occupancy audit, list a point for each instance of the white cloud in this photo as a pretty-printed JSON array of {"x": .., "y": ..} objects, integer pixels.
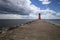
[
  {"x": 33, "y": 16},
  {"x": 49, "y": 14},
  {"x": 16, "y": 16},
  {"x": 45, "y": 1},
  {"x": 27, "y": 6},
  {"x": 48, "y": 11},
  {"x": 58, "y": 14},
  {"x": 13, "y": 16},
  {"x": 9, "y": 16},
  {"x": 40, "y": 0}
]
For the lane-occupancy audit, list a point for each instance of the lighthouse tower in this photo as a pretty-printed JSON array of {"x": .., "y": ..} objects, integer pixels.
[{"x": 39, "y": 16}]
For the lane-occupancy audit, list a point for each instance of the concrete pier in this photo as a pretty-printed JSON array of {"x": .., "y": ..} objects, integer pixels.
[{"x": 38, "y": 30}]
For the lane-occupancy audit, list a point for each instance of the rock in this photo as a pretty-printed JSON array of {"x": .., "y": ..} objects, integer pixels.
[
  {"x": 0, "y": 31},
  {"x": 21, "y": 24},
  {"x": 11, "y": 28},
  {"x": 3, "y": 32}
]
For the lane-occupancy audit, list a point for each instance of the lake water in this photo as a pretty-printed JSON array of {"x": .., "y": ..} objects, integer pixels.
[
  {"x": 12, "y": 22},
  {"x": 57, "y": 21}
]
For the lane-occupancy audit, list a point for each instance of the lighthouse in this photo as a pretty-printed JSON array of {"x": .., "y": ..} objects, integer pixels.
[{"x": 39, "y": 16}]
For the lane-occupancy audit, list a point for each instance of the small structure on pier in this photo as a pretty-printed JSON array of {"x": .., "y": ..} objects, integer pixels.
[{"x": 39, "y": 16}]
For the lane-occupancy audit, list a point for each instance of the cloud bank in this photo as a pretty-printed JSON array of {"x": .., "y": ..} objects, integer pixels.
[
  {"x": 50, "y": 14},
  {"x": 20, "y": 7},
  {"x": 24, "y": 9}
]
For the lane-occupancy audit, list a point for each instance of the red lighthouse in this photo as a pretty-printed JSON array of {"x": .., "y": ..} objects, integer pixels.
[{"x": 39, "y": 16}]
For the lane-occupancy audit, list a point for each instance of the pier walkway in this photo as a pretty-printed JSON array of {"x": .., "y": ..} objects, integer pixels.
[{"x": 39, "y": 30}]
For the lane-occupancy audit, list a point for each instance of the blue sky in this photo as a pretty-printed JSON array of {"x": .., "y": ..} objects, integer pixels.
[
  {"x": 38, "y": 4},
  {"x": 54, "y": 5}
]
